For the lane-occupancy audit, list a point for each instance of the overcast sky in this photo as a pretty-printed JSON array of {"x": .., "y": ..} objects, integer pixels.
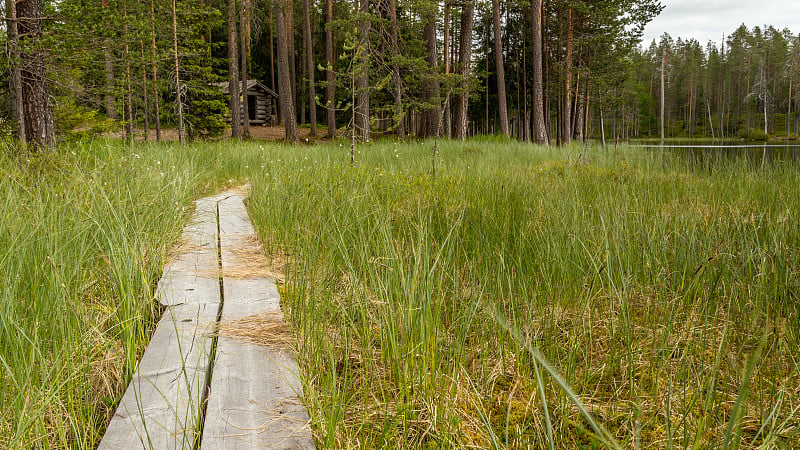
[{"x": 708, "y": 20}]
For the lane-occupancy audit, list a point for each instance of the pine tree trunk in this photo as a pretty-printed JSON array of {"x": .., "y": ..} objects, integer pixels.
[
  {"x": 16, "y": 73},
  {"x": 396, "y": 81},
  {"x": 156, "y": 92},
  {"x": 244, "y": 39},
  {"x": 362, "y": 67},
  {"x": 233, "y": 73},
  {"x": 290, "y": 48},
  {"x": 128, "y": 85},
  {"x": 37, "y": 111},
  {"x": 663, "y": 97},
  {"x": 566, "y": 112},
  {"x": 577, "y": 123},
  {"x": 111, "y": 111},
  {"x": 178, "y": 87},
  {"x": 789, "y": 113},
  {"x": 330, "y": 74},
  {"x": 539, "y": 125},
  {"x": 464, "y": 59},
  {"x": 447, "y": 119},
  {"x": 271, "y": 53},
  {"x": 145, "y": 96},
  {"x": 284, "y": 78},
  {"x": 431, "y": 93},
  {"x": 312, "y": 94},
  {"x": 500, "y": 69}
]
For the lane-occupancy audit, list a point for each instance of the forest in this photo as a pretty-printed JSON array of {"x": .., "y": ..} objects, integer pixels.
[{"x": 540, "y": 71}]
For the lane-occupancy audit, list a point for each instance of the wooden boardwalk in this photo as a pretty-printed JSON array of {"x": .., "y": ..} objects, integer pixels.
[{"x": 195, "y": 388}]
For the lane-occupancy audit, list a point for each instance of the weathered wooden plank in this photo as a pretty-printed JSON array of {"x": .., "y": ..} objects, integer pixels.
[
  {"x": 254, "y": 395},
  {"x": 162, "y": 404},
  {"x": 161, "y": 407}
]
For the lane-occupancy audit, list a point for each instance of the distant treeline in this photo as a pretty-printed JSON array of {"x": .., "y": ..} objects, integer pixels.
[{"x": 744, "y": 86}]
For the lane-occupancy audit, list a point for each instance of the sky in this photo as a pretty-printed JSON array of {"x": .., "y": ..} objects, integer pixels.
[{"x": 708, "y": 20}]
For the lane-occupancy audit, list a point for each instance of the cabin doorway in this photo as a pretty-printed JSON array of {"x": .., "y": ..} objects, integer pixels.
[{"x": 251, "y": 107}]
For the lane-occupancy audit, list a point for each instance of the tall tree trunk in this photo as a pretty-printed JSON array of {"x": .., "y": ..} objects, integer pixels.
[
  {"x": 396, "y": 82},
  {"x": 145, "y": 96},
  {"x": 128, "y": 85},
  {"x": 789, "y": 113},
  {"x": 37, "y": 111},
  {"x": 526, "y": 135},
  {"x": 500, "y": 69},
  {"x": 312, "y": 95},
  {"x": 178, "y": 87},
  {"x": 446, "y": 118},
  {"x": 290, "y": 48},
  {"x": 362, "y": 68},
  {"x": 431, "y": 93},
  {"x": 663, "y": 97},
  {"x": 539, "y": 125},
  {"x": 111, "y": 111},
  {"x": 284, "y": 78},
  {"x": 271, "y": 54},
  {"x": 464, "y": 60},
  {"x": 330, "y": 74},
  {"x": 233, "y": 73},
  {"x": 16, "y": 73},
  {"x": 156, "y": 91},
  {"x": 566, "y": 113},
  {"x": 577, "y": 127},
  {"x": 301, "y": 94},
  {"x": 244, "y": 44},
  {"x": 486, "y": 91}
]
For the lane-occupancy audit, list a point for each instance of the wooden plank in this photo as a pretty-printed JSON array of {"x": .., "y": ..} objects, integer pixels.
[
  {"x": 254, "y": 395},
  {"x": 161, "y": 407}
]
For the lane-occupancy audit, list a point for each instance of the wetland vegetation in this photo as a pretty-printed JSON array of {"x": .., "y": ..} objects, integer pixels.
[{"x": 523, "y": 296}]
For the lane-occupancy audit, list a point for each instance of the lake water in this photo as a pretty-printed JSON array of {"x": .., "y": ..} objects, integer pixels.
[{"x": 705, "y": 154}]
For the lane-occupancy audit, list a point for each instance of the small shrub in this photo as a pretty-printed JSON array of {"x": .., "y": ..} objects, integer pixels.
[
  {"x": 75, "y": 122},
  {"x": 753, "y": 134}
]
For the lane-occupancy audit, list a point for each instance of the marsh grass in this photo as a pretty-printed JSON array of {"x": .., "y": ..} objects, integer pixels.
[
  {"x": 522, "y": 297},
  {"x": 540, "y": 297},
  {"x": 84, "y": 233}
]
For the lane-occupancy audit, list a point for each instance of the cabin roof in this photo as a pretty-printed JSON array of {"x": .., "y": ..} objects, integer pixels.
[{"x": 251, "y": 84}]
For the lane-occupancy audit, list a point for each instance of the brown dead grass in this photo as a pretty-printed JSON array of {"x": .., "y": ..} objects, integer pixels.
[
  {"x": 267, "y": 330},
  {"x": 251, "y": 261},
  {"x": 181, "y": 247}
]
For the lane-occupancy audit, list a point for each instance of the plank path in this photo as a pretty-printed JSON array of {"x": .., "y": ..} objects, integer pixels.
[{"x": 195, "y": 387}]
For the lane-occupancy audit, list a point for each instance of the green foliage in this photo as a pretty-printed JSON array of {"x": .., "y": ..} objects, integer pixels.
[
  {"x": 206, "y": 105},
  {"x": 753, "y": 134},
  {"x": 78, "y": 122}
]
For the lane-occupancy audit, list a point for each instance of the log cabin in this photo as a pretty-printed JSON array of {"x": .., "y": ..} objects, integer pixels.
[{"x": 261, "y": 103}]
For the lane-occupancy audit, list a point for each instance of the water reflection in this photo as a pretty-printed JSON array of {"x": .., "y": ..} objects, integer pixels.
[{"x": 708, "y": 155}]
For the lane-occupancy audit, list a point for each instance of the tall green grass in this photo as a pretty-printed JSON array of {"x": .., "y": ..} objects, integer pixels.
[
  {"x": 465, "y": 309},
  {"x": 521, "y": 297},
  {"x": 84, "y": 232}
]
